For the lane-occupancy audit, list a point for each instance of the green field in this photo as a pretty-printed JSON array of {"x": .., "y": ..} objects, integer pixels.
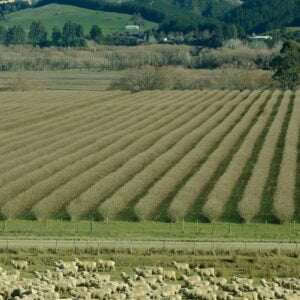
[
  {"x": 56, "y": 15},
  {"x": 148, "y": 232}
]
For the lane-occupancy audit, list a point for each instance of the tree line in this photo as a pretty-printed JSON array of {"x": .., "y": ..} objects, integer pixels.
[{"x": 71, "y": 35}]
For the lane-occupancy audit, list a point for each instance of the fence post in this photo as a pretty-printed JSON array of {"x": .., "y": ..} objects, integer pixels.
[
  {"x": 183, "y": 225},
  {"x": 294, "y": 227},
  {"x": 4, "y": 225},
  {"x": 98, "y": 248},
  {"x": 229, "y": 228},
  {"x": 91, "y": 225}
]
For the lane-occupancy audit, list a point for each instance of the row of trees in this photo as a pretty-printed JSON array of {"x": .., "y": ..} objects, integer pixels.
[{"x": 72, "y": 35}]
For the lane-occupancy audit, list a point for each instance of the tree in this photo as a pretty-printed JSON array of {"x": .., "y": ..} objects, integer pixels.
[
  {"x": 73, "y": 35},
  {"x": 56, "y": 36},
  {"x": 37, "y": 34},
  {"x": 96, "y": 34},
  {"x": 287, "y": 65},
  {"x": 15, "y": 35},
  {"x": 3, "y": 33}
]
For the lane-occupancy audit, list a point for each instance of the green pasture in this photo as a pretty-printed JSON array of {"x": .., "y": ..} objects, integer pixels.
[
  {"x": 56, "y": 15},
  {"x": 151, "y": 231}
]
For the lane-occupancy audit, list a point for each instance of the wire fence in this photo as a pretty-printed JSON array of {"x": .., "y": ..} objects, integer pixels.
[
  {"x": 147, "y": 229},
  {"x": 144, "y": 245}
]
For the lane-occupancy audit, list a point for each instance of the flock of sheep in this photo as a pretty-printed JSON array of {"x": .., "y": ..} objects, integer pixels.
[{"x": 87, "y": 280}]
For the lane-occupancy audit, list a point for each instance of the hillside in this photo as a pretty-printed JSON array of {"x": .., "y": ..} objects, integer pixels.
[
  {"x": 56, "y": 14},
  {"x": 264, "y": 15},
  {"x": 207, "y": 155},
  {"x": 156, "y": 9}
]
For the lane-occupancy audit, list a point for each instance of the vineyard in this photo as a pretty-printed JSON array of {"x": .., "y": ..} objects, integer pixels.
[{"x": 158, "y": 155}]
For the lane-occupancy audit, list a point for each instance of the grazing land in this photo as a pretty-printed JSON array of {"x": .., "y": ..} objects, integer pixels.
[
  {"x": 56, "y": 15},
  {"x": 82, "y": 273},
  {"x": 156, "y": 155}
]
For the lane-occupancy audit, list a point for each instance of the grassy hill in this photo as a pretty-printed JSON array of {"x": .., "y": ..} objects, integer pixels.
[{"x": 56, "y": 14}]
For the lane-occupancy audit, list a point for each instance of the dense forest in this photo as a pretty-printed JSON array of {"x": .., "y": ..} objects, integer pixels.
[{"x": 265, "y": 15}]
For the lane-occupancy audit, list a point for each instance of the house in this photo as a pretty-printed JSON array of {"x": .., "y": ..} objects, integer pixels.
[
  {"x": 13, "y": 1},
  {"x": 260, "y": 37},
  {"x": 132, "y": 27}
]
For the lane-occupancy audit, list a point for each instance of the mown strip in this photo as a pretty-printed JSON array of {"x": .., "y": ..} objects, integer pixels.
[
  {"x": 147, "y": 206},
  {"x": 234, "y": 164},
  {"x": 250, "y": 205}
]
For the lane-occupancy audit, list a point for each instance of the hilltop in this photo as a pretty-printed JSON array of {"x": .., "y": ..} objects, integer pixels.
[{"x": 56, "y": 15}]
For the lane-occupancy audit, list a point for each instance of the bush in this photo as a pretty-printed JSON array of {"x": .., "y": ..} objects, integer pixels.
[{"x": 141, "y": 79}]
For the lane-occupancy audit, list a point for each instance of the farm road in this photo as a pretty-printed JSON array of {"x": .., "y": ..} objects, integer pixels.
[{"x": 114, "y": 244}]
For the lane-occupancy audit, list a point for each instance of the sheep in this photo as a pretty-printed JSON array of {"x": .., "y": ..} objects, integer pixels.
[
  {"x": 155, "y": 270},
  {"x": 250, "y": 296},
  {"x": 222, "y": 295},
  {"x": 106, "y": 264},
  {"x": 20, "y": 264},
  {"x": 169, "y": 275},
  {"x": 101, "y": 277},
  {"x": 144, "y": 272},
  {"x": 88, "y": 266},
  {"x": 244, "y": 280},
  {"x": 264, "y": 293},
  {"x": 220, "y": 281},
  {"x": 205, "y": 272},
  {"x": 81, "y": 295},
  {"x": 181, "y": 266}
]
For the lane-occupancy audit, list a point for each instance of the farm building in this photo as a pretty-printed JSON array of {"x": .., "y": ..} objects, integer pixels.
[
  {"x": 261, "y": 37},
  {"x": 132, "y": 27}
]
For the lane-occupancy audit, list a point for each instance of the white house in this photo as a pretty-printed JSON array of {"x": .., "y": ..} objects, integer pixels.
[
  {"x": 13, "y": 1},
  {"x": 132, "y": 27},
  {"x": 261, "y": 37}
]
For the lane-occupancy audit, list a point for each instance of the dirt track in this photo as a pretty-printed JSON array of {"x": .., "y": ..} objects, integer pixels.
[{"x": 178, "y": 245}]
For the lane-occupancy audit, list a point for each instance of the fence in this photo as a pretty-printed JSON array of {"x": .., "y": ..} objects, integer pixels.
[
  {"x": 150, "y": 230},
  {"x": 144, "y": 245}
]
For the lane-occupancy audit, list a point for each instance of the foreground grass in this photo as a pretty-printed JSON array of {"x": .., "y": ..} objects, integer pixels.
[
  {"x": 255, "y": 264},
  {"x": 151, "y": 231}
]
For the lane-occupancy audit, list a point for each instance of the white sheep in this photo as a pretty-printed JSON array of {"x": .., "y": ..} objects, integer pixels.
[
  {"x": 181, "y": 266},
  {"x": 20, "y": 264},
  {"x": 106, "y": 264},
  {"x": 169, "y": 275},
  {"x": 205, "y": 272}
]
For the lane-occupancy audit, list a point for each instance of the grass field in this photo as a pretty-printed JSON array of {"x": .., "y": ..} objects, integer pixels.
[
  {"x": 58, "y": 80},
  {"x": 150, "y": 231},
  {"x": 56, "y": 15},
  {"x": 195, "y": 155}
]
